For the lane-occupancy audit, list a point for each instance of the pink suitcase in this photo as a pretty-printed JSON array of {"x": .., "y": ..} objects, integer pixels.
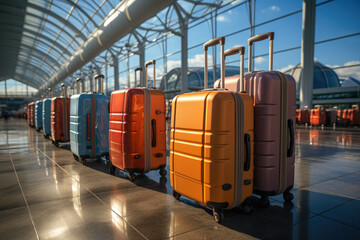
[{"x": 274, "y": 95}]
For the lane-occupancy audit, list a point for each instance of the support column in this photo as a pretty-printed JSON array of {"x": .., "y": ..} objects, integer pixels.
[
  {"x": 116, "y": 72},
  {"x": 106, "y": 78},
  {"x": 307, "y": 54},
  {"x": 165, "y": 62},
  {"x": 184, "y": 58},
  {"x": 91, "y": 74}
]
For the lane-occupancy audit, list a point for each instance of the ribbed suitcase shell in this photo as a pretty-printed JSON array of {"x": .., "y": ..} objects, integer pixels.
[
  {"x": 126, "y": 130},
  {"x": 38, "y": 115},
  {"x": 203, "y": 144},
  {"x": 46, "y": 116},
  {"x": 80, "y": 127},
  {"x": 339, "y": 118},
  {"x": 264, "y": 88},
  {"x": 318, "y": 117},
  {"x": 345, "y": 116},
  {"x": 29, "y": 113},
  {"x": 302, "y": 116},
  {"x": 353, "y": 117},
  {"x": 331, "y": 115},
  {"x": 58, "y": 133}
]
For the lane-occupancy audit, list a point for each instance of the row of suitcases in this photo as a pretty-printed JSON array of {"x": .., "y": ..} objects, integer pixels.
[
  {"x": 331, "y": 117},
  {"x": 227, "y": 142}
]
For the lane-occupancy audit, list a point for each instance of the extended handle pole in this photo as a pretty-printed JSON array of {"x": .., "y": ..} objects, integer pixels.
[
  {"x": 78, "y": 81},
  {"x": 99, "y": 79},
  {"x": 241, "y": 51},
  {"x": 151, "y": 62},
  {"x": 139, "y": 69},
  {"x": 213, "y": 42},
  {"x": 63, "y": 89},
  {"x": 257, "y": 38}
]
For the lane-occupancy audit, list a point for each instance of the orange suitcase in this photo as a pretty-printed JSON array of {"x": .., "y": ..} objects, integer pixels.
[
  {"x": 60, "y": 119},
  {"x": 137, "y": 139},
  {"x": 345, "y": 116},
  {"x": 211, "y": 148},
  {"x": 318, "y": 116},
  {"x": 354, "y": 116},
  {"x": 302, "y": 116},
  {"x": 339, "y": 118},
  {"x": 30, "y": 114}
]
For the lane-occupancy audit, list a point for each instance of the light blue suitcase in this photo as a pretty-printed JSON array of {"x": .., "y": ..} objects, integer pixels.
[
  {"x": 89, "y": 117},
  {"x": 38, "y": 116},
  {"x": 46, "y": 117}
]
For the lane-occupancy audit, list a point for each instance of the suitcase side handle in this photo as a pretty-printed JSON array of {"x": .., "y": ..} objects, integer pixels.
[
  {"x": 241, "y": 51},
  {"x": 148, "y": 63},
  {"x": 257, "y": 38},
  {"x": 139, "y": 69},
  {"x": 248, "y": 153},
  {"x": 153, "y": 127},
  {"x": 213, "y": 42},
  {"x": 290, "y": 150},
  {"x": 99, "y": 77},
  {"x": 78, "y": 81}
]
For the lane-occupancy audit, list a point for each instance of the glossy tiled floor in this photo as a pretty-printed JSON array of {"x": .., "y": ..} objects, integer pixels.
[{"x": 46, "y": 194}]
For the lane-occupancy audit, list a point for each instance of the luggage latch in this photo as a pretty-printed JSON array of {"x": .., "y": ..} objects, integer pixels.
[
  {"x": 226, "y": 187},
  {"x": 137, "y": 156},
  {"x": 158, "y": 111},
  {"x": 159, "y": 155}
]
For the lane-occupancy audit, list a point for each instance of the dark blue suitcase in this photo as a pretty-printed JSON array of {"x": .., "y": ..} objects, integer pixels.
[
  {"x": 46, "y": 117},
  {"x": 38, "y": 115},
  {"x": 89, "y": 125}
]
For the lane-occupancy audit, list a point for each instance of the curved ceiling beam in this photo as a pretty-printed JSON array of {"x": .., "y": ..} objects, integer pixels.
[{"x": 122, "y": 20}]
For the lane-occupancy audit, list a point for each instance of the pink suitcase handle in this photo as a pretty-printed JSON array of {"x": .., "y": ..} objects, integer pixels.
[
  {"x": 137, "y": 70},
  {"x": 101, "y": 78},
  {"x": 241, "y": 51},
  {"x": 213, "y": 42},
  {"x": 148, "y": 63},
  {"x": 257, "y": 38}
]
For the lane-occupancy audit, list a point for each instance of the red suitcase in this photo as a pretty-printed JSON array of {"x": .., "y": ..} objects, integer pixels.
[
  {"x": 302, "y": 116},
  {"x": 339, "y": 118},
  {"x": 137, "y": 139},
  {"x": 60, "y": 119},
  {"x": 345, "y": 116},
  {"x": 30, "y": 114},
  {"x": 354, "y": 116},
  {"x": 318, "y": 116},
  {"x": 274, "y": 95}
]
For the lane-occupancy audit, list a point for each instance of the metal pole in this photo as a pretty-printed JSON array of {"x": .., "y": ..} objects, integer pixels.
[{"x": 307, "y": 54}]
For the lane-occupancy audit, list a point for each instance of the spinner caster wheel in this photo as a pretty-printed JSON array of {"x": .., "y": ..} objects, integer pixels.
[
  {"x": 132, "y": 176},
  {"x": 264, "y": 202},
  {"x": 83, "y": 160},
  {"x": 56, "y": 143},
  {"x": 247, "y": 209},
  {"x": 176, "y": 195},
  {"x": 218, "y": 215},
  {"x": 76, "y": 157},
  {"x": 288, "y": 196},
  {"x": 111, "y": 168},
  {"x": 163, "y": 172}
]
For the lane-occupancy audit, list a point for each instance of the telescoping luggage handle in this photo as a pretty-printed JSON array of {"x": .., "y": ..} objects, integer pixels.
[
  {"x": 100, "y": 78},
  {"x": 63, "y": 89},
  {"x": 213, "y": 42},
  {"x": 257, "y": 38},
  {"x": 148, "y": 63},
  {"x": 139, "y": 69},
  {"x": 50, "y": 92},
  {"x": 78, "y": 81},
  {"x": 241, "y": 51}
]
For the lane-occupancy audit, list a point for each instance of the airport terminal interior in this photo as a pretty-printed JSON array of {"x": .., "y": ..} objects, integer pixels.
[{"x": 179, "y": 119}]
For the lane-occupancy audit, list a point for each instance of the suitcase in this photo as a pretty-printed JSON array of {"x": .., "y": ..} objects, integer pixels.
[
  {"x": 46, "y": 117},
  {"x": 302, "y": 116},
  {"x": 331, "y": 116},
  {"x": 345, "y": 117},
  {"x": 137, "y": 139},
  {"x": 274, "y": 100},
  {"x": 29, "y": 113},
  {"x": 38, "y": 116},
  {"x": 60, "y": 119},
  {"x": 89, "y": 124},
  {"x": 339, "y": 118},
  {"x": 211, "y": 147},
  {"x": 318, "y": 116},
  {"x": 354, "y": 116}
]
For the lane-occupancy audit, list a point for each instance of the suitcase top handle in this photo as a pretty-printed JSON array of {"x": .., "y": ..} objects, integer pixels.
[
  {"x": 63, "y": 89},
  {"x": 99, "y": 77},
  {"x": 257, "y": 38},
  {"x": 78, "y": 80},
  {"x": 148, "y": 63},
  {"x": 213, "y": 42},
  {"x": 141, "y": 71},
  {"x": 241, "y": 51}
]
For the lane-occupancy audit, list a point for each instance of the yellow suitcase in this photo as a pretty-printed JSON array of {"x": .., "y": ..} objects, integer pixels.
[{"x": 211, "y": 157}]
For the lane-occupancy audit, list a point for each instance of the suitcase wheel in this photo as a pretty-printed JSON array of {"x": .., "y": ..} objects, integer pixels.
[
  {"x": 132, "y": 176},
  {"x": 218, "y": 215},
  {"x": 288, "y": 196},
  {"x": 111, "y": 168},
  {"x": 56, "y": 143},
  {"x": 247, "y": 209},
  {"x": 163, "y": 172},
  {"x": 264, "y": 202},
  {"x": 76, "y": 157},
  {"x": 83, "y": 160},
  {"x": 176, "y": 194}
]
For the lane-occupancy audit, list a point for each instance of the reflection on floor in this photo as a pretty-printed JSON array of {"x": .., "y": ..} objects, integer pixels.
[{"x": 46, "y": 194}]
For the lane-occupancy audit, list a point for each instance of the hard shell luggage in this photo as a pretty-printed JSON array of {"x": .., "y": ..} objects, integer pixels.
[
  {"x": 211, "y": 147},
  {"x": 29, "y": 112},
  {"x": 318, "y": 116},
  {"x": 89, "y": 123},
  {"x": 46, "y": 116},
  {"x": 274, "y": 99},
  {"x": 60, "y": 119},
  {"x": 331, "y": 115},
  {"x": 345, "y": 116},
  {"x": 38, "y": 116},
  {"x": 137, "y": 139},
  {"x": 354, "y": 116},
  {"x": 302, "y": 116},
  {"x": 339, "y": 118}
]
